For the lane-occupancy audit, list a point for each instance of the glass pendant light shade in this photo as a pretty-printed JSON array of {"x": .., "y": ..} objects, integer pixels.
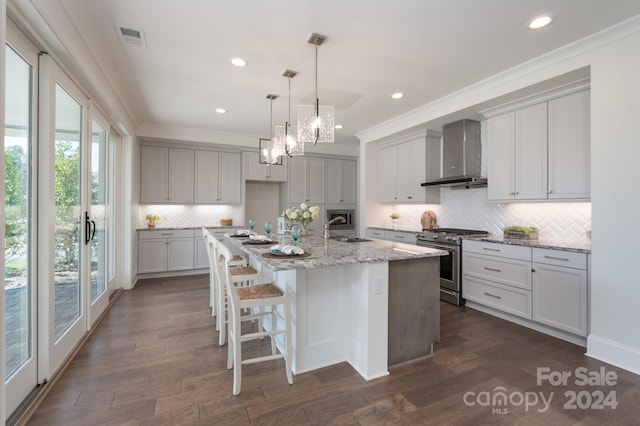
[
  {"x": 267, "y": 150},
  {"x": 315, "y": 126},
  {"x": 286, "y": 140},
  {"x": 286, "y": 137},
  {"x": 267, "y": 153},
  {"x": 316, "y": 122}
]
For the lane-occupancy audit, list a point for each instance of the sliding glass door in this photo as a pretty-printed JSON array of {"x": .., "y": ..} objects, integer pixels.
[
  {"x": 59, "y": 258},
  {"x": 96, "y": 219},
  {"x": 19, "y": 244}
]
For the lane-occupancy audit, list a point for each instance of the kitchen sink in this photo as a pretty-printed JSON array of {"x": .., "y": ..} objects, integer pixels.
[{"x": 351, "y": 239}]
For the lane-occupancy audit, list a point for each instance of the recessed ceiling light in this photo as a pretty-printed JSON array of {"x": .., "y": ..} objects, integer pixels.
[
  {"x": 221, "y": 110},
  {"x": 540, "y": 21},
  {"x": 338, "y": 126},
  {"x": 239, "y": 62},
  {"x": 397, "y": 95}
]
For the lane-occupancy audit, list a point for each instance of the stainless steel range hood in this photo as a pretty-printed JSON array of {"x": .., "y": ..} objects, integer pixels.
[{"x": 461, "y": 156}]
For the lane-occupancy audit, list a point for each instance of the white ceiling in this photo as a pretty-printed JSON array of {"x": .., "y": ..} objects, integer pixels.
[{"x": 423, "y": 48}]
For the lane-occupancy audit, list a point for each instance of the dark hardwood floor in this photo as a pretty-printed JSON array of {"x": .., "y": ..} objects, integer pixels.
[{"x": 154, "y": 360}]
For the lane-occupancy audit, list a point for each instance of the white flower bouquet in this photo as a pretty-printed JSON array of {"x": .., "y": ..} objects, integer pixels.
[{"x": 303, "y": 215}]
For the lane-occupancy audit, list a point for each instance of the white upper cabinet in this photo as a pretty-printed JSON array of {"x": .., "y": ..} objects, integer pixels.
[
  {"x": 154, "y": 174},
  {"x": 218, "y": 177},
  {"x": 404, "y": 166},
  {"x": 569, "y": 147},
  {"x": 306, "y": 180},
  {"x": 341, "y": 181},
  {"x": 166, "y": 175},
  {"x": 541, "y": 152},
  {"x": 257, "y": 171},
  {"x": 181, "y": 163},
  {"x": 187, "y": 176}
]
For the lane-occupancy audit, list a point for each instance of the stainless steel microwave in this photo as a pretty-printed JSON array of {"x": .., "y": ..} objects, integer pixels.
[{"x": 348, "y": 215}]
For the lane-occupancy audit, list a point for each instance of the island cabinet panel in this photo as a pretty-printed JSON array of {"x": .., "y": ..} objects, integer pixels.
[{"x": 414, "y": 310}]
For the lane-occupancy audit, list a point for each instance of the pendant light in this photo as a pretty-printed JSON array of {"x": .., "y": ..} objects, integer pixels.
[
  {"x": 315, "y": 122},
  {"x": 267, "y": 151},
  {"x": 286, "y": 137}
]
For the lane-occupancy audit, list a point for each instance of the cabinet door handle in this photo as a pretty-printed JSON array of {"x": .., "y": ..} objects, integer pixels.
[
  {"x": 512, "y": 193},
  {"x": 492, "y": 269},
  {"x": 490, "y": 249},
  {"x": 550, "y": 191},
  {"x": 492, "y": 295},
  {"x": 409, "y": 197},
  {"x": 556, "y": 258}
]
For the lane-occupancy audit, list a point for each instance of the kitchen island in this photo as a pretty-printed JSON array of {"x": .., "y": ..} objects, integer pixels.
[{"x": 349, "y": 301}]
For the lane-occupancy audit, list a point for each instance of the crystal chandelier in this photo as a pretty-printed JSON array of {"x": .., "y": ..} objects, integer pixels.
[
  {"x": 315, "y": 122},
  {"x": 286, "y": 137},
  {"x": 267, "y": 150}
]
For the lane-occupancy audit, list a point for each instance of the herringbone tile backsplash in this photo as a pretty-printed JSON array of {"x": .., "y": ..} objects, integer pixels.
[
  {"x": 180, "y": 216},
  {"x": 561, "y": 222}
]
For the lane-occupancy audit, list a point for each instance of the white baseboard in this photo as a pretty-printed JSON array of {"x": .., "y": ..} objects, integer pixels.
[{"x": 614, "y": 353}]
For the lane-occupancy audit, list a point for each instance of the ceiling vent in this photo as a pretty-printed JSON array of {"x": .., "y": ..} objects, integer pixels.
[{"x": 131, "y": 36}]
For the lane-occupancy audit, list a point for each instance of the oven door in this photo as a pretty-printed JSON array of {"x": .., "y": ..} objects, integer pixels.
[{"x": 449, "y": 265}]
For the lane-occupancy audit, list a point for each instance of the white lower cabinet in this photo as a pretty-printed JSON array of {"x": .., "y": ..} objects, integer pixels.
[
  {"x": 560, "y": 292},
  {"x": 498, "y": 276},
  {"x": 502, "y": 297},
  {"x": 545, "y": 286},
  {"x": 406, "y": 237},
  {"x": 165, "y": 250}
]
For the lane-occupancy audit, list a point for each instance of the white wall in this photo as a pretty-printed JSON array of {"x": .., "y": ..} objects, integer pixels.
[{"x": 615, "y": 142}]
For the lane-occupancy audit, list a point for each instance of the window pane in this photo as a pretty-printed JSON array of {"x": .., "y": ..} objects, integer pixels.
[
  {"x": 17, "y": 151},
  {"x": 98, "y": 208},
  {"x": 68, "y": 218}
]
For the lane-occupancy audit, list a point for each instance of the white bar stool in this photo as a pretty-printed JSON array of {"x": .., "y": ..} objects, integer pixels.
[
  {"x": 240, "y": 276},
  {"x": 254, "y": 296},
  {"x": 209, "y": 239}
]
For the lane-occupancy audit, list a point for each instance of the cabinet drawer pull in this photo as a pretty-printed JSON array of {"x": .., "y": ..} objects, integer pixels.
[
  {"x": 492, "y": 269},
  {"x": 556, "y": 258},
  {"x": 492, "y": 295},
  {"x": 166, "y": 234},
  {"x": 490, "y": 249},
  {"x": 400, "y": 236}
]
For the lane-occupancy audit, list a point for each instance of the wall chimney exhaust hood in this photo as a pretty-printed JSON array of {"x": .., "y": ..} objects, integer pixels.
[{"x": 461, "y": 156}]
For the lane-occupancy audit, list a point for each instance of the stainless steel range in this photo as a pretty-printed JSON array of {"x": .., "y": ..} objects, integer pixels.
[{"x": 448, "y": 239}]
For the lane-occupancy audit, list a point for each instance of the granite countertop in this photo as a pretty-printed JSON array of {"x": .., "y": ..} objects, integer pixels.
[
  {"x": 178, "y": 228},
  {"x": 539, "y": 243},
  {"x": 330, "y": 252}
]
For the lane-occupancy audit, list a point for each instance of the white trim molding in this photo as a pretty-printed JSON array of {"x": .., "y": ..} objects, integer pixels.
[{"x": 618, "y": 354}]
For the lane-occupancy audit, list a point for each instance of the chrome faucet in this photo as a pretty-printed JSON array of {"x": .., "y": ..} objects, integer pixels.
[{"x": 327, "y": 223}]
